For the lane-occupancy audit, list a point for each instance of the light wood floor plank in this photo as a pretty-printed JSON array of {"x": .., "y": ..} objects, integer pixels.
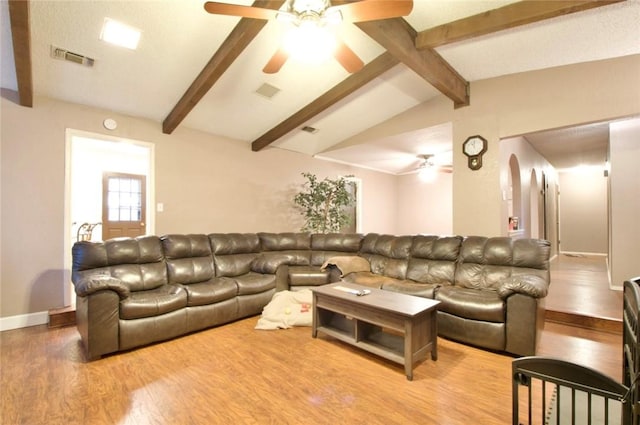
[
  {"x": 580, "y": 285},
  {"x": 236, "y": 374}
]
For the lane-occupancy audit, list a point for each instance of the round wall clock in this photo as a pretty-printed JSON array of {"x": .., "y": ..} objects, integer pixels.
[{"x": 474, "y": 147}]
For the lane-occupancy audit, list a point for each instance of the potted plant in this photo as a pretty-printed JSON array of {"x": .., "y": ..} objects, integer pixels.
[{"x": 324, "y": 203}]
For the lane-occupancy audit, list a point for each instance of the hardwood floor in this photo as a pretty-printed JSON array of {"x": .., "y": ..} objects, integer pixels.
[
  {"x": 235, "y": 374},
  {"x": 579, "y": 293}
]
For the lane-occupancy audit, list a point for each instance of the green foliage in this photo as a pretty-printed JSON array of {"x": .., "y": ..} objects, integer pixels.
[{"x": 323, "y": 204}]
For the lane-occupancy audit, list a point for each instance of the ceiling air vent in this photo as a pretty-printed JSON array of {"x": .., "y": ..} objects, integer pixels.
[
  {"x": 309, "y": 129},
  {"x": 267, "y": 90},
  {"x": 62, "y": 54}
]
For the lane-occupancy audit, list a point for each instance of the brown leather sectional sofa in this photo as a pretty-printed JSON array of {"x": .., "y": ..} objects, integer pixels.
[{"x": 133, "y": 292}]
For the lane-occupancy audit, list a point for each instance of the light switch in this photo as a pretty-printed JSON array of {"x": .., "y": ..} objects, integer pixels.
[{"x": 159, "y": 207}]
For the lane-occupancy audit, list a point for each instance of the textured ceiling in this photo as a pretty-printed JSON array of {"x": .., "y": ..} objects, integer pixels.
[
  {"x": 179, "y": 38},
  {"x": 575, "y": 146}
]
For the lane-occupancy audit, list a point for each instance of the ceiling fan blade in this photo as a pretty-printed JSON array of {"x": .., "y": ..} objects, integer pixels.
[
  {"x": 374, "y": 9},
  {"x": 276, "y": 61},
  {"x": 218, "y": 8},
  {"x": 347, "y": 58}
]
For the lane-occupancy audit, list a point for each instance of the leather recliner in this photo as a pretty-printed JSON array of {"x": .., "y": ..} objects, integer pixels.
[{"x": 132, "y": 292}]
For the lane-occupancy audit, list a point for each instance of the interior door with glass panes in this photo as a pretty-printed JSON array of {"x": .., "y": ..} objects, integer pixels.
[{"x": 123, "y": 205}]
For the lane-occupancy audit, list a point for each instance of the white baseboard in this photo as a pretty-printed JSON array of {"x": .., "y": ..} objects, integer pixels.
[
  {"x": 24, "y": 320},
  {"x": 586, "y": 254}
]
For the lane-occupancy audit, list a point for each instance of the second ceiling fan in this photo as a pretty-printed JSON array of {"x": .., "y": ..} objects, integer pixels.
[{"x": 313, "y": 17}]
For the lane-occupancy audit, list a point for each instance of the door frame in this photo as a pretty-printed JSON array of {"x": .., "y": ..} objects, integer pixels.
[{"x": 70, "y": 135}]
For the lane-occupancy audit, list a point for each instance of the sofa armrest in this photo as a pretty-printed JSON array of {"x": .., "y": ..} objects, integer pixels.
[
  {"x": 531, "y": 285},
  {"x": 269, "y": 264},
  {"x": 93, "y": 284}
]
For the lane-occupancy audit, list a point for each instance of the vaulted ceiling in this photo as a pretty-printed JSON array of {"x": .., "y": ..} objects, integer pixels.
[{"x": 203, "y": 71}]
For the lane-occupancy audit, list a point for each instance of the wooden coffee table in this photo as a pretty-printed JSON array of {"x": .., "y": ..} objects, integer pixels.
[{"x": 401, "y": 328}]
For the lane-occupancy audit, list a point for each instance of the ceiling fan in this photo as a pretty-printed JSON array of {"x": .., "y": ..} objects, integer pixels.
[
  {"x": 312, "y": 15},
  {"x": 428, "y": 168}
]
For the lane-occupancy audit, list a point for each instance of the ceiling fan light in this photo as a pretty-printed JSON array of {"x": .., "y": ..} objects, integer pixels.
[
  {"x": 427, "y": 173},
  {"x": 309, "y": 43}
]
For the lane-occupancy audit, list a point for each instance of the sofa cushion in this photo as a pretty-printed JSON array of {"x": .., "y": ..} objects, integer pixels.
[
  {"x": 308, "y": 276},
  {"x": 491, "y": 335},
  {"x": 233, "y": 253},
  {"x": 185, "y": 246},
  {"x": 325, "y": 246},
  {"x": 531, "y": 253},
  {"x": 486, "y": 263},
  {"x": 431, "y": 271},
  {"x": 387, "y": 254},
  {"x": 369, "y": 279},
  {"x": 409, "y": 287},
  {"x": 154, "y": 302},
  {"x": 190, "y": 270},
  {"x": 189, "y": 258},
  {"x": 212, "y": 291},
  {"x": 293, "y": 249},
  {"x": 481, "y": 277},
  {"x": 137, "y": 262},
  {"x": 445, "y": 248},
  {"x": 285, "y": 241},
  {"x": 472, "y": 304},
  {"x": 387, "y": 245},
  {"x": 389, "y": 267},
  {"x": 341, "y": 242},
  {"x": 234, "y": 264},
  {"x": 253, "y": 283},
  {"x": 234, "y": 243}
]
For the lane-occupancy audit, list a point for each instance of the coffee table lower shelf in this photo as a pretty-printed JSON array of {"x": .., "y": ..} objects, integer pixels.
[
  {"x": 388, "y": 346},
  {"x": 393, "y": 335}
]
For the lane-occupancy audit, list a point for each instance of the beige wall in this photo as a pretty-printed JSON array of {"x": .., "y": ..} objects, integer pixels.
[
  {"x": 515, "y": 105},
  {"x": 209, "y": 184},
  {"x": 206, "y": 184},
  {"x": 213, "y": 185},
  {"x": 583, "y": 211},
  {"x": 425, "y": 208},
  {"x": 625, "y": 201}
]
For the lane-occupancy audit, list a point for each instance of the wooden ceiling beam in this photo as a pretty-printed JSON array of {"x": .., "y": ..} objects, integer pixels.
[
  {"x": 243, "y": 33},
  {"x": 398, "y": 37},
  {"x": 369, "y": 72},
  {"x": 21, "y": 36},
  {"x": 510, "y": 16}
]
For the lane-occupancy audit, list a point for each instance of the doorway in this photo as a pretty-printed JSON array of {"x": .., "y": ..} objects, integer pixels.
[
  {"x": 354, "y": 186},
  {"x": 89, "y": 158}
]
